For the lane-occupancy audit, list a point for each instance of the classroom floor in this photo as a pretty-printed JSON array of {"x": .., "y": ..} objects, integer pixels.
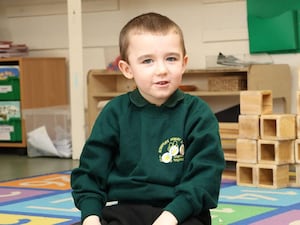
[{"x": 15, "y": 164}]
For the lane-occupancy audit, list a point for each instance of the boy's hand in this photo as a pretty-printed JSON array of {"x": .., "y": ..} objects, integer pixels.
[
  {"x": 91, "y": 220},
  {"x": 166, "y": 218}
]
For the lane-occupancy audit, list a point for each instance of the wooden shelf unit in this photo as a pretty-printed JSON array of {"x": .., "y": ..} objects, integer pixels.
[
  {"x": 103, "y": 85},
  {"x": 43, "y": 83}
]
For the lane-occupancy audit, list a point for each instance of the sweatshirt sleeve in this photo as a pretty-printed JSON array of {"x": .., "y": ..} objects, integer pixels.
[
  {"x": 89, "y": 180},
  {"x": 199, "y": 187}
]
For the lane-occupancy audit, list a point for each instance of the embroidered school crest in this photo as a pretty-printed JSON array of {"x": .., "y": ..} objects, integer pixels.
[{"x": 171, "y": 150}]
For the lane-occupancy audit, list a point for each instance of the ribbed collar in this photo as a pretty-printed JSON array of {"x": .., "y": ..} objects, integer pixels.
[{"x": 137, "y": 99}]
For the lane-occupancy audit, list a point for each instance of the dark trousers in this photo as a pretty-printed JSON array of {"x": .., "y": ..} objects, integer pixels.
[{"x": 137, "y": 214}]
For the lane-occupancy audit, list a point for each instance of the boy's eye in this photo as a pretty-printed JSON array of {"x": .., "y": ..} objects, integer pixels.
[
  {"x": 147, "y": 61},
  {"x": 171, "y": 59}
]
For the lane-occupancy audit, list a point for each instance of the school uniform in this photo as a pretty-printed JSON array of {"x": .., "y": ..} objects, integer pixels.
[{"x": 150, "y": 158}]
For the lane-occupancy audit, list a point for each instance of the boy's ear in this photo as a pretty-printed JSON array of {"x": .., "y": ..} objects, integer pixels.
[
  {"x": 185, "y": 62},
  {"x": 125, "y": 69}
]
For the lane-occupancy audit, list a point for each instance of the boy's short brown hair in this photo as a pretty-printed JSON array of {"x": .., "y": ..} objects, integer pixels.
[{"x": 148, "y": 22}]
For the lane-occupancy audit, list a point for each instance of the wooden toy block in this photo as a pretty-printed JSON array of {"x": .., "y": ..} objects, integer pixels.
[
  {"x": 297, "y": 150},
  {"x": 276, "y": 152},
  {"x": 294, "y": 175},
  {"x": 278, "y": 127},
  {"x": 256, "y": 102},
  {"x": 229, "y": 149},
  {"x": 298, "y": 79},
  {"x": 228, "y": 130},
  {"x": 246, "y": 150},
  {"x": 273, "y": 176},
  {"x": 298, "y": 126},
  {"x": 249, "y": 126},
  {"x": 298, "y": 102},
  {"x": 246, "y": 174}
]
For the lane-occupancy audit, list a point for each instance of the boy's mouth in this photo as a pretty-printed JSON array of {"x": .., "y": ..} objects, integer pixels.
[{"x": 162, "y": 82}]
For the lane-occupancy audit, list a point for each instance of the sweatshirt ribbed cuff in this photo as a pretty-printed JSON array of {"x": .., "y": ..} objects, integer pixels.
[
  {"x": 90, "y": 206},
  {"x": 181, "y": 208}
]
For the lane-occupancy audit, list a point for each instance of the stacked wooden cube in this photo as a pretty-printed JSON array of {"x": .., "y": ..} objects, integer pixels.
[
  {"x": 229, "y": 133},
  {"x": 296, "y": 170},
  {"x": 265, "y": 146}
]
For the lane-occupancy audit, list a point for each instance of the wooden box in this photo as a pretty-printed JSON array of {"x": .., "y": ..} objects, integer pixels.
[
  {"x": 256, "y": 102},
  {"x": 278, "y": 127},
  {"x": 246, "y": 150},
  {"x": 298, "y": 125},
  {"x": 298, "y": 102},
  {"x": 273, "y": 176},
  {"x": 228, "y": 130},
  {"x": 249, "y": 126},
  {"x": 246, "y": 174},
  {"x": 297, "y": 150},
  {"x": 227, "y": 83},
  {"x": 229, "y": 149},
  {"x": 276, "y": 152},
  {"x": 294, "y": 175}
]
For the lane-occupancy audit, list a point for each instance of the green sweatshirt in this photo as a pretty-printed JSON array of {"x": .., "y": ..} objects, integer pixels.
[{"x": 168, "y": 156}]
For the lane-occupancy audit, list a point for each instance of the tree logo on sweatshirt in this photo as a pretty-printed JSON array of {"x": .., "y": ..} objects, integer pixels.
[{"x": 171, "y": 150}]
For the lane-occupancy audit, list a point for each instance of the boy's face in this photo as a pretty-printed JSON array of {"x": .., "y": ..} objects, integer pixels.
[{"x": 156, "y": 63}]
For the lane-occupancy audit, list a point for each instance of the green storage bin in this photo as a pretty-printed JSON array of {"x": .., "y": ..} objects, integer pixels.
[
  {"x": 10, "y": 89},
  {"x": 11, "y": 130},
  {"x": 8, "y": 71},
  {"x": 9, "y": 110}
]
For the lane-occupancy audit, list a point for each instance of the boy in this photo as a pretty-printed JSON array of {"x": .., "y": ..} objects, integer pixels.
[{"x": 155, "y": 150}]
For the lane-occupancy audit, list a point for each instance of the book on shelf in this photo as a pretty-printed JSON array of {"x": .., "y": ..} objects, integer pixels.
[
  {"x": 13, "y": 54},
  {"x": 8, "y": 49},
  {"x": 5, "y": 44},
  {"x": 15, "y": 48}
]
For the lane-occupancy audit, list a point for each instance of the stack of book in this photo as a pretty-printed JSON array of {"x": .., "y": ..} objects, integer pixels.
[{"x": 8, "y": 49}]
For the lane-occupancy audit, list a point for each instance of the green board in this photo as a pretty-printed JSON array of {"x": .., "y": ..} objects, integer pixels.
[{"x": 273, "y": 26}]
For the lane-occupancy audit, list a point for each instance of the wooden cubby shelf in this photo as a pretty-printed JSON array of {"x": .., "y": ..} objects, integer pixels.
[
  {"x": 104, "y": 85},
  {"x": 42, "y": 82}
]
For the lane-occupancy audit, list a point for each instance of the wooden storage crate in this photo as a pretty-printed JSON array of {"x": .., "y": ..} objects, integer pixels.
[
  {"x": 277, "y": 152},
  {"x": 278, "y": 127},
  {"x": 256, "y": 102},
  {"x": 294, "y": 175},
  {"x": 273, "y": 176},
  {"x": 246, "y": 150},
  {"x": 249, "y": 126},
  {"x": 227, "y": 83},
  {"x": 246, "y": 174}
]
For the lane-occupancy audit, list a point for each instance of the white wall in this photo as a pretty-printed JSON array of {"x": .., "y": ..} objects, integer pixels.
[{"x": 210, "y": 27}]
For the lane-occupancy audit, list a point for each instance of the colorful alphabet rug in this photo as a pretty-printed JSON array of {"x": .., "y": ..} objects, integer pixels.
[
  {"x": 241, "y": 205},
  {"x": 39, "y": 200},
  {"x": 47, "y": 200}
]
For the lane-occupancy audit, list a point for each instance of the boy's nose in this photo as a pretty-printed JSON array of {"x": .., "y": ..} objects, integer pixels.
[{"x": 161, "y": 68}]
